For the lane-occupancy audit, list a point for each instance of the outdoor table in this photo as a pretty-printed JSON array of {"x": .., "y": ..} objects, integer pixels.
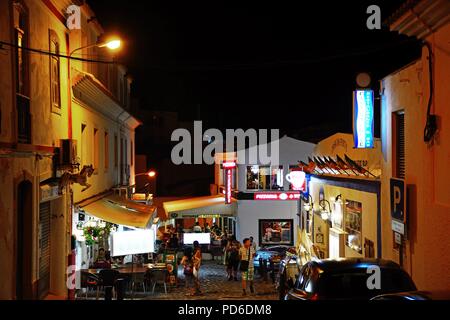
[{"x": 130, "y": 270}]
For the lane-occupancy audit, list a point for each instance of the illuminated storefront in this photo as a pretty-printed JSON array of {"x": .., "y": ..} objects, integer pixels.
[{"x": 340, "y": 214}]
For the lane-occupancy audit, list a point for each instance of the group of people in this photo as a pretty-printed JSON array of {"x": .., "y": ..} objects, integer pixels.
[{"x": 239, "y": 257}]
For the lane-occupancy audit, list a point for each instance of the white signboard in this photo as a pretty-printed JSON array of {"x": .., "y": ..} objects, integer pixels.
[
  {"x": 202, "y": 238},
  {"x": 132, "y": 242},
  {"x": 398, "y": 227}
]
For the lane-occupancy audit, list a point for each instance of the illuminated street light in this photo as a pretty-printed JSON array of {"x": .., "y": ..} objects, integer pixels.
[
  {"x": 150, "y": 174},
  {"x": 112, "y": 44}
]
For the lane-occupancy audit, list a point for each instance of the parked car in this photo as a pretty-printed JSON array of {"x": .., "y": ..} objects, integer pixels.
[
  {"x": 287, "y": 274},
  {"x": 272, "y": 253},
  {"x": 414, "y": 296},
  {"x": 347, "y": 279}
]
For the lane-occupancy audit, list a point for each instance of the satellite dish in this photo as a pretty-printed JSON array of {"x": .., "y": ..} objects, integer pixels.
[{"x": 363, "y": 80}]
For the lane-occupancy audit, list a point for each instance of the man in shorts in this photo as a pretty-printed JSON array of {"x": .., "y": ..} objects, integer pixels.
[{"x": 247, "y": 253}]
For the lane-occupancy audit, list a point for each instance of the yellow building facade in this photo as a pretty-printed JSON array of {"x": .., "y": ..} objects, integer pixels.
[{"x": 55, "y": 113}]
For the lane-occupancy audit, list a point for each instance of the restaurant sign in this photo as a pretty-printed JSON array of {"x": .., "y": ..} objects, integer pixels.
[
  {"x": 228, "y": 167},
  {"x": 276, "y": 196},
  {"x": 363, "y": 118}
]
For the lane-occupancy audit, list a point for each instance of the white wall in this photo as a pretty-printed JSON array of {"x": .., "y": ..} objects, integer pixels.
[
  {"x": 250, "y": 211},
  {"x": 290, "y": 152}
]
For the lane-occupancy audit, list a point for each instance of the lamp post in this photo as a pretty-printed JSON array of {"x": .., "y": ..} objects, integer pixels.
[
  {"x": 112, "y": 44},
  {"x": 150, "y": 174}
]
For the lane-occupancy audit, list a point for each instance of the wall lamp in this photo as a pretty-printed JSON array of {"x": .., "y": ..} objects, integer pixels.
[
  {"x": 309, "y": 205},
  {"x": 324, "y": 213}
]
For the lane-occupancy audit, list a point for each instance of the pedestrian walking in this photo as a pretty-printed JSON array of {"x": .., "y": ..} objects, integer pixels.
[
  {"x": 232, "y": 254},
  {"x": 188, "y": 269},
  {"x": 197, "y": 259},
  {"x": 247, "y": 269}
]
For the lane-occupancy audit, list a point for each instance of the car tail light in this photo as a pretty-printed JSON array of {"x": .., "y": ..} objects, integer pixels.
[{"x": 315, "y": 297}]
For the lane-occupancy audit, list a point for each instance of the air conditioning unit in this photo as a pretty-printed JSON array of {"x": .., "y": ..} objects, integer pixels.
[{"x": 68, "y": 152}]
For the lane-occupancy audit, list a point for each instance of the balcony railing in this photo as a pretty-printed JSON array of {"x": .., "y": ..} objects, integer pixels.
[{"x": 23, "y": 119}]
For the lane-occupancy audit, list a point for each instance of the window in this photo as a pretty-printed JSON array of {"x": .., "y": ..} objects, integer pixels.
[
  {"x": 95, "y": 150},
  {"x": 21, "y": 39},
  {"x": 116, "y": 151},
  {"x": 264, "y": 178},
  {"x": 353, "y": 225},
  {"x": 54, "y": 73},
  {"x": 276, "y": 232},
  {"x": 22, "y": 73},
  {"x": 106, "y": 141},
  {"x": 398, "y": 145}
]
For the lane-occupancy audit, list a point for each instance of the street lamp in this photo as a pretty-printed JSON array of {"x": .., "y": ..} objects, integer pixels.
[
  {"x": 150, "y": 174},
  {"x": 111, "y": 44}
]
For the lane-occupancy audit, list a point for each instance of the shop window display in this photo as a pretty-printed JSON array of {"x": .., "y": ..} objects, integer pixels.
[
  {"x": 276, "y": 232},
  {"x": 353, "y": 225}
]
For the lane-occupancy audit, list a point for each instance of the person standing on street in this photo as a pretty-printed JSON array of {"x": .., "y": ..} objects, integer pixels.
[
  {"x": 197, "y": 228},
  {"x": 246, "y": 254},
  {"x": 197, "y": 259},
  {"x": 252, "y": 243},
  {"x": 232, "y": 254},
  {"x": 188, "y": 268}
]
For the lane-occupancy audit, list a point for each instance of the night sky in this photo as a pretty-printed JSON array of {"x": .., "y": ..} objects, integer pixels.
[{"x": 255, "y": 64}]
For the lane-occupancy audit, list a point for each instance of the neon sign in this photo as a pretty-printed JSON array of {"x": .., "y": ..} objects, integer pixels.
[
  {"x": 297, "y": 179},
  {"x": 363, "y": 118},
  {"x": 228, "y": 167},
  {"x": 276, "y": 196}
]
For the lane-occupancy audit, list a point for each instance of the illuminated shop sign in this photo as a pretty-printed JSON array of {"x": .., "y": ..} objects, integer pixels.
[
  {"x": 363, "y": 118},
  {"x": 228, "y": 167},
  {"x": 277, "y": 196},
  {"x": 297, "y": 179}
]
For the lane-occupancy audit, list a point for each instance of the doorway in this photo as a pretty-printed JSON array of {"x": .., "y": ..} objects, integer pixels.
[{"x": 24, "y": 252}]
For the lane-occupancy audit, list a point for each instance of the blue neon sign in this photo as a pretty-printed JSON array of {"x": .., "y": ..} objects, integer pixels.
[{"x": 363, "y": 119}]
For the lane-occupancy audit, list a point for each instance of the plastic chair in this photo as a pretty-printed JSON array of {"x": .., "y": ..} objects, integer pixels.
[
  {"x": 108, "y": 279},
  {"x": 139, "y": 278},
  {"x": 89, "y": 281},
  {"x": 158, "y": 277}
]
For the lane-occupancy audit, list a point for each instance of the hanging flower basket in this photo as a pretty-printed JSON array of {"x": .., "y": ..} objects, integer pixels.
[{"x": 92, "y": 234}]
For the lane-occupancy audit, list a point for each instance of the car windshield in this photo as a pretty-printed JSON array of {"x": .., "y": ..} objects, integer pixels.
[{"x": 353, "y": 283}]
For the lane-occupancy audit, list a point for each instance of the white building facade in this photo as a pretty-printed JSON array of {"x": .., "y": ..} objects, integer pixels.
[{"x": 267, "y": 206}]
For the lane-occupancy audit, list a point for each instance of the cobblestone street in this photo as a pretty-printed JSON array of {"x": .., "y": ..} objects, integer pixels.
[{"x": 215, "y": 286}]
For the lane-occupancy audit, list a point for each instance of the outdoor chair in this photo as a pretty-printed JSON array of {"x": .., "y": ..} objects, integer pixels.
[
  {"x": 138, "y": 279},
  {"x": 89, "y": 281},
  {"x": 108, "y": 279},
  {"x": 158, "y": 277}
]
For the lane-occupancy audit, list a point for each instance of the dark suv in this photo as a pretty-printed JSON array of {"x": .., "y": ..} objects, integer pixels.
[{"x": 349, "y": 279}]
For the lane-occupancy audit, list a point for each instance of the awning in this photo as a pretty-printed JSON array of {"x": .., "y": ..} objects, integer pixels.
[
  {"x": 120, "y": 211},
  {"x": 200, "y": 206}
]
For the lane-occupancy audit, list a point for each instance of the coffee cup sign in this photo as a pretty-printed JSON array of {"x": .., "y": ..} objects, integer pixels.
[{"x": 297, "y": 179}]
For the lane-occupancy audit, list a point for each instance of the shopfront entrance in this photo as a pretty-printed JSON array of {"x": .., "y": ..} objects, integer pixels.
[{"x": 24, "y": 252}]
